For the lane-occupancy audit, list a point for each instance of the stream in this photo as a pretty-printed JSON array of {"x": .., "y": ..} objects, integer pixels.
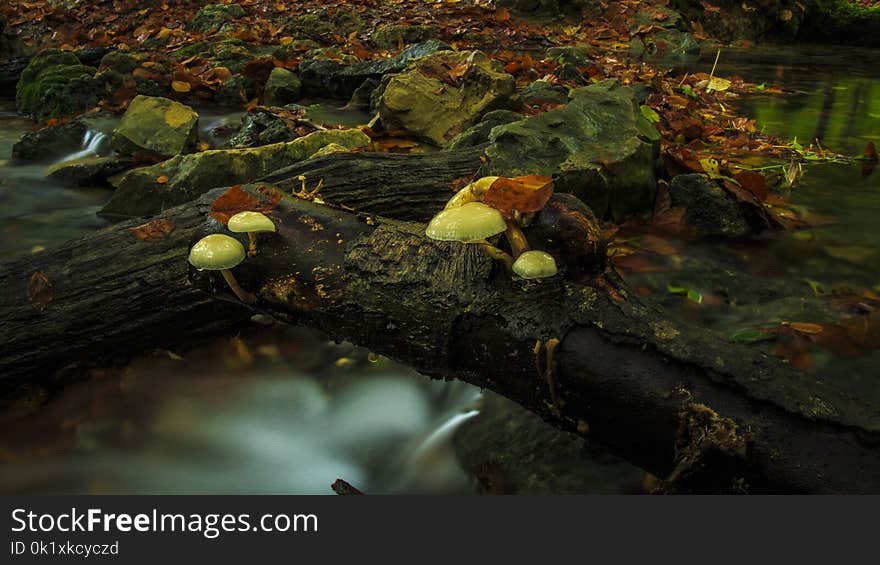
[{"x": 281, "y": 410}]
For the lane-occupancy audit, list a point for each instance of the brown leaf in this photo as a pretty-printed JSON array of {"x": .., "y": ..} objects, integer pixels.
[
  {"x": 523, "y": 194},
  {"x": 754, "y": 182},
  {"x": 804, "y": 327},
  {"x": 871, "y": 152},
  {"x": 237, "y": 199},
  {"x": 39, "y": 291},
  {"x": 161, "y": 179},
  {"x": 156, "y": 229},
  {"x": 180, "y": 86}
]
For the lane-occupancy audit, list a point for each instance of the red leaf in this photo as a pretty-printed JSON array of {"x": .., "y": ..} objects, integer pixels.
[
  {"x": 156, "y": 229},
  {"x": 523, "y": 194}
]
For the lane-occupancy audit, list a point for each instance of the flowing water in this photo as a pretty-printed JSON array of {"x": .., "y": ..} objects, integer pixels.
[{"x": 280, "y": 410}]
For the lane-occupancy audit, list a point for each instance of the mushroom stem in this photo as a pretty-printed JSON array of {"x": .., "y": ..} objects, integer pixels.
[
  {"x": 497, "y": 254},
  {"x": 252, "y": 244},
  {"x": 241, "y": 293},
  {"x": 517, "y": 239}
]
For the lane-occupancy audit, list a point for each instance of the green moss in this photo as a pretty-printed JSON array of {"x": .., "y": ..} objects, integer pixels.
[{"x": 55, "y": 84}]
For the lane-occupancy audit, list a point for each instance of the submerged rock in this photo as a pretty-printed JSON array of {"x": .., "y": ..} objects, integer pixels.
[
  {"x": 156, "y": 127},
  {"x": 62, "y": 139},
  {"x": 327, "y": 77},
  {"x": 88, "y": 171},
  {"x": 55, "y": 84},
  {"x": 710, "y": 210},
  {"x": 185, "y": 177},
  {"x": 429, "y": 101},
  {"x": 598, "y": 147},
  {"x": 261, "y": 127}
]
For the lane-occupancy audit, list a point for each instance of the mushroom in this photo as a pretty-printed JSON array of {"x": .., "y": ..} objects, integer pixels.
[
  {"x": 535, "y": 265},
  {"x": 218, "y": 252},
  {"x": 471, "y": 222},
  {"x": 473, "y": 192},
  {"x": 250, "y": 223}
]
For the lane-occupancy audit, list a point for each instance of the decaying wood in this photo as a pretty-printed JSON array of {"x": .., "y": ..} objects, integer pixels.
[{"x": 706, "y": 414}]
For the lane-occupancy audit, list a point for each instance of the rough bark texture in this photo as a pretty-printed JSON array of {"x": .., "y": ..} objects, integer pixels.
[{"x": 707, "y": 414}]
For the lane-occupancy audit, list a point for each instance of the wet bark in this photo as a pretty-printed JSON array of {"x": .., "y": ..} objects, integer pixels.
[{"x": 706, "y": 414}]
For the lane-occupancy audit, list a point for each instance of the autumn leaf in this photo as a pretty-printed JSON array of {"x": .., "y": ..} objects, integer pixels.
[
  {"x": 161, "y": 179},
  {"x": 237, "y": 199},
  {"x": 871, "y": 152},
  {"x": 753, "y": 182},
  {"x": 522, "y": 194},
  {"x": 804, "y": 327},
  {"x": 180, "y": 86},
  {"x": 39, "y": 290},
  {"x": 156, "y": 229}
]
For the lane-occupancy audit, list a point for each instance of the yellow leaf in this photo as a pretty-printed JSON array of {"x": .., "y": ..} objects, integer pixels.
[
  {"x": 710, "y": 165},
  {"x": 180, "y": 86},
  {"x": 718, "y": 84}
]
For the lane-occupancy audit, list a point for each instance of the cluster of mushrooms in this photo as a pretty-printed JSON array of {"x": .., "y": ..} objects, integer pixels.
[
  {"x": 467, "y": 219},
  {"x": 220, "y": 252}
]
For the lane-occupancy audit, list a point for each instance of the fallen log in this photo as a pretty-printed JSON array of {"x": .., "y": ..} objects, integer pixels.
[{"x": 588, "y": 356}]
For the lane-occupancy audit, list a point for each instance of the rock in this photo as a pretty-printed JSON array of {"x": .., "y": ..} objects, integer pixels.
[
  {"x": 658, "y": 16},
  {"x": 541, "y": 92},
  {"x": 710, "y": 210},
  {"x": 62, "y": 139},
  {"x": 294, "y": 49},
  {"x": 666, "y": 36},
  {"x": 236, "y": 92},
  {"x": 364, "y": 97},
  {"x": 138, "y": 193},
  {"x": 55, "y": 84},
  {"x": 232, "y": 54},
  {"x": 88, "y": 171},
  {"x": 156, "y": 127},
  {"x": 418, "y": 99},
  {"x": 317, "y": 26},
  {"x": 283, "y": 87},
  {"x": 10, "y": 45},
  {"x": 325, "y": 77},
  {"x": 329, "y": 149},
  {"x": 553, "y": 8},
  {"x": 215, "y": 17},
  {"x": 598, "y": 147},
  {"x": 479, "y": 133},
  {"x": 260, "y": 127},
  {"x": 119, "y": 61},
  {"x": 390, "y": 36}
]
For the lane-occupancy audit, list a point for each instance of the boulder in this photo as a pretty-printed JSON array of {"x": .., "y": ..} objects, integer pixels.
[
  {"x": 55, "y": 84},
  {"x": 710, "y": 210},
  {"x": 10, "y": 46},
  {"x": 542, "y": 92},
  {"x": 236, "y": 92},
  {"x": 88, "y": 171},
  {"x": 440, "y": 96},
  {"x": 156, "y": 127},
  {"x": 214, "y": 17},
  {"x": 330, "y": 78},
  {"x": 598, "y": 147},
  {"x": 577, "y": 55},
  {"x": 283, "y": 87},
  {"x": 148, "y": 190}
]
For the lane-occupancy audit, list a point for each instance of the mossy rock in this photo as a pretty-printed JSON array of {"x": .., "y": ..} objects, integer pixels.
[
  {"x": 417, "y": 100},
  {"x": 138, "y": 193},
  {"x": 62, "y": 139},
  {"x": 233, "y": 55},
  {"x": 260, "y": 127},
  {"x": 156, "y": 127},
  {"x": 283, "y": 87},
  {"x": 576, "y": 55},
  {"x": 214, "y": 17},
  {"x": 55, "y": 85},
  {"x": 709, "y": 209},
  {"x": 390, "y": 36},
  {"x": 119, "y": 61},
  {"x": 478, "y": 134},
  {"x": 598, "y": 147},
  {"x": 309, "y": 26}
]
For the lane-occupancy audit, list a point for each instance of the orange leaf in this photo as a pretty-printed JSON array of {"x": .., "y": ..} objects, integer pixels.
[
  {"x": 754, "y": 182},
  {"x": 156, "y": 229},
  {"x": 39, "y": 290},
  {"x": 804, "y": 327},
  {"x": 161, "y": 180},
  {"x": 871, "y": 151},
  {"x": 502, "y": 15},
  {"x": 237, "y": 199},
  {"x": 523, "y": 194}
]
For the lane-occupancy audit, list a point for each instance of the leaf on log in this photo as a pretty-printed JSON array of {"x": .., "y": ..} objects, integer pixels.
[
  {"x": 39, "y": 291},
  {"x": 523, "y": 194},
  {"x": 236, "y": 200},
  {"x": 156, "y": 229}
]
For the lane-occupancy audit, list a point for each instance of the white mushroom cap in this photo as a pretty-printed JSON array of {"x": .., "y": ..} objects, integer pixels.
[
  {"x": 473, "y": 221},
  {"x": 535, "y": 265},
  {"x": 215, "y": 252},
  {"x": 244, "y": 222}
]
